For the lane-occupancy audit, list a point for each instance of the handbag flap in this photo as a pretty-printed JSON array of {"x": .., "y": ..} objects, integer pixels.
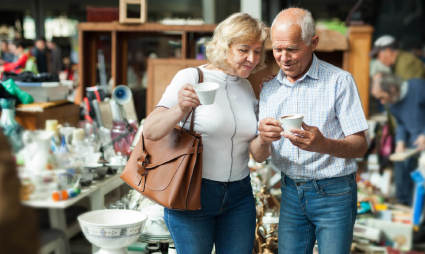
[
  {"x": 173, "y": 156},
  {"x": 177, "y": 143},
  {"x": 160, "y": 178}
]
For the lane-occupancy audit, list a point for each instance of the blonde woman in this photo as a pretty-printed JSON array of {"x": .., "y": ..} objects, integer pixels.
[{"x": 227, "y": 216}]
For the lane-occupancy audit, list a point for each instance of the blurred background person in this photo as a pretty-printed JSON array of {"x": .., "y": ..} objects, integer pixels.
[
  {"x": 6, "y": 56},
  {"x": 55, "y": 58},
  {"x": 40, "y": 52},
  {"x": 406, "y": 101},
  {"x": 389, "y": 58},
  {"x": 18, "y": 49}
]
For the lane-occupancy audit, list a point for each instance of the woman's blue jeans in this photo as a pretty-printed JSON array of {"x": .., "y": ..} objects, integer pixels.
[
  {"x": 227, "y": 219},
  {"x": 323, "y": 210}
]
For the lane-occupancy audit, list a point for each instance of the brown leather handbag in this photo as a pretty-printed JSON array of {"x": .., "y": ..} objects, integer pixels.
[{"x": 169, "y": 170}]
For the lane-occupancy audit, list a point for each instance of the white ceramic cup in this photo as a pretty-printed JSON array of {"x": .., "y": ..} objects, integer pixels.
[
  {"x": 290, "y": 122},
  {"x": 206, "y": 92}
]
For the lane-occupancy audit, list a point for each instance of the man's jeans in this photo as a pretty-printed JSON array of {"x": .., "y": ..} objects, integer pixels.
[
  {"x": 403, "y": 182},
  {"x": 227, "y": 218},
  {"x": 317, "y": 209}
]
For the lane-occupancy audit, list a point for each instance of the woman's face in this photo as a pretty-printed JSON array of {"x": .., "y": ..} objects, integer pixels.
[{"x": 243, "y": 58}]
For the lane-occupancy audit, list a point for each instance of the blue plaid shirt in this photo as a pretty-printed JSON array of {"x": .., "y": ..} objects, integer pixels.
[{"x": 327, "y": 97}]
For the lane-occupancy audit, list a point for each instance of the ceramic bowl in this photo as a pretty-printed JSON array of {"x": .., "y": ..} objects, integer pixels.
[{"x": 111, "y": 229}]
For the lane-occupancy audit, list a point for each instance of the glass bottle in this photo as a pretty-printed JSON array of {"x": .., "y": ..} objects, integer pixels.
[
  {"x": 122, "y": 132},
  {"x": 9, "y": 125}
]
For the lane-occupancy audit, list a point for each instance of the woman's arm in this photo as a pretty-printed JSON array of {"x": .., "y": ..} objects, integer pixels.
[
  {"x": 162, "y": 120},
  {"x": 19, "y": 63},
  {"x": 269, "y": 130}
]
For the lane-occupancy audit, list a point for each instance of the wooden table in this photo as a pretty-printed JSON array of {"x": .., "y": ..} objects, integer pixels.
[{"x": 95, "y": 192}]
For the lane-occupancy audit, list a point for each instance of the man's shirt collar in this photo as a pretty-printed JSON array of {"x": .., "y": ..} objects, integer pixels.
[{"x": 313, "y": 72}]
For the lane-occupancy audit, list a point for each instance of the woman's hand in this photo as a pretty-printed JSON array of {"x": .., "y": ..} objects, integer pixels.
[
  {"x": 187, "y": 98},
  {"x": 269, "y": 130}
]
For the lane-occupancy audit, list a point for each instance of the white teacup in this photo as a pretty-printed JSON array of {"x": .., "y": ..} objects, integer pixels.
[
  {"x": 206, "y": 92},
  {"x": 290, "y": 122}
]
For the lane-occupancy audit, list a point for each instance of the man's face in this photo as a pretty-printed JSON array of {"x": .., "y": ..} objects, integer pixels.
[
  {"x": 4, "y": 46},
  {"x": 13, "y": 49},
  {"x": 381, "y": 95},
  {"x": 386, "y": 56},
  {"x": 291, "y": 53},
  {"x": 40, "y": 44}
]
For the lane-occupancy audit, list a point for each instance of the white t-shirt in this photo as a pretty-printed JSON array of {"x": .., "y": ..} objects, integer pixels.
[{"x": 227, "y": 126}]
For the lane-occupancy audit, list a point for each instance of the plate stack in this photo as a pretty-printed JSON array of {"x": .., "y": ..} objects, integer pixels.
[{"x": 155, "y": 229}]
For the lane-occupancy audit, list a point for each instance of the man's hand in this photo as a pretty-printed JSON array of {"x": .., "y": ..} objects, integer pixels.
[
  {"x": 420, "y": 142},
  {"x": 269, "y": 130},
  {"x": 309, "y": 139}
]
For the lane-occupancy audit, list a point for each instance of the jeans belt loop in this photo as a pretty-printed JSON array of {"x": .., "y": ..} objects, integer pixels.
[
  {"x": 283, "y": 179},
  {"x": 316, "y": 186}
]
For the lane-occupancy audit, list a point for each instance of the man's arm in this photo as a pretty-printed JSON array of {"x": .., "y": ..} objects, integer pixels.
[{"x": 311, "y": 139}]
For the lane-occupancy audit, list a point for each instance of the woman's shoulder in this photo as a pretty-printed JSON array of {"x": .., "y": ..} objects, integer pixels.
[{"x": 186, "y": 75}]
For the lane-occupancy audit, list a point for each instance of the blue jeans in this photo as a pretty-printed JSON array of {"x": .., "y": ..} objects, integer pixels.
[
  {"x": 403, "y": 182},
  {"x": 317, "y": 209},
  {"x": 227, "y": 219}
]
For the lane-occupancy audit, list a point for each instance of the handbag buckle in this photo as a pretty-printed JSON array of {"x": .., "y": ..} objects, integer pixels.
[{"x": 144, "y": 163}]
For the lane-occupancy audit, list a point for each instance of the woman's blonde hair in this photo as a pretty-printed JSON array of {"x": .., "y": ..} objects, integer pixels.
[{"x": 237, "y": 28}]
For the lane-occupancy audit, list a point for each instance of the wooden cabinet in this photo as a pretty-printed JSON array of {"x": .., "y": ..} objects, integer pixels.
[
  {"x": 113, "y": 38},
  {"x": 354, "y": 59}
]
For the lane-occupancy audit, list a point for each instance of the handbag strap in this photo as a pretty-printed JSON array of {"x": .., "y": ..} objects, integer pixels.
[
  {"x": 145, "y": 158},
  {"x": 192, "y": 120}
]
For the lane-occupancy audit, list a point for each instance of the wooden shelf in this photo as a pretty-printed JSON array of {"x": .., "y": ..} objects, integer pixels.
[
  {"x": 145, "y": 27},
  {"x": 118, "y": 36}
]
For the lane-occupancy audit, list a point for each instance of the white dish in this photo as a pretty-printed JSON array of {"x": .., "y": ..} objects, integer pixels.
[
  {"x": 93, "y": 165},
  {"x": 115, "y": 165},
  {"x": 112, "y": 229}
]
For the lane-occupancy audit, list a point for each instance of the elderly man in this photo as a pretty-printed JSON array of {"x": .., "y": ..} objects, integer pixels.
[
  {"x": 319, "y": 191},
  {"x": 406, "y": 102},
  {"x": 391, "y": 59}
]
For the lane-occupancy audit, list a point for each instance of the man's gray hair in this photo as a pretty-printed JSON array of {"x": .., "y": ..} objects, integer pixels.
[
  {"x": 306, "y": 23},
  {"x": 389, "y": 82}
]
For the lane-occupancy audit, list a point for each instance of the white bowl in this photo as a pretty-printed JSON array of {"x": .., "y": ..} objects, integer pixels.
[{"x": 112, "y": 229}]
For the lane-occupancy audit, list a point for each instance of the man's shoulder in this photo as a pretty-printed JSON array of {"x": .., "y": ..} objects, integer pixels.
[
  {"x": 406, "y": 57},
  {"x": 329, "y": 68},
  {"x": 269, "y": 86}
]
